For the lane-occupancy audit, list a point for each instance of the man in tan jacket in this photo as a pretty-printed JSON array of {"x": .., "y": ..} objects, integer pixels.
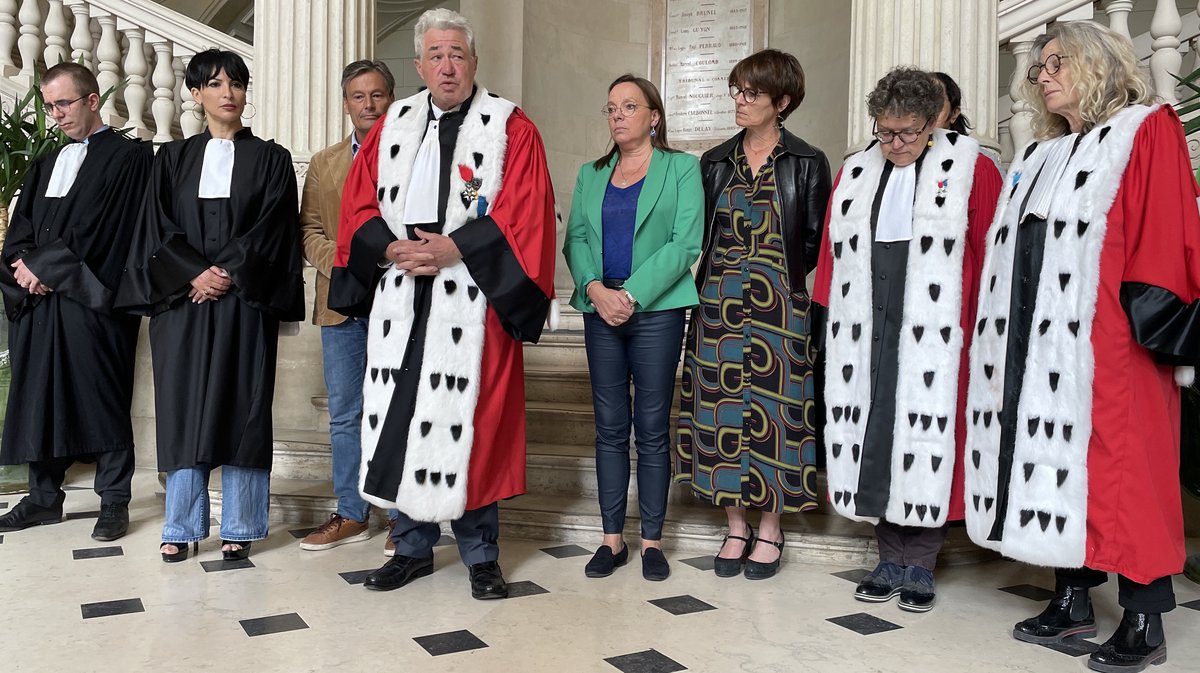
[{"x": 367, "y": 91}]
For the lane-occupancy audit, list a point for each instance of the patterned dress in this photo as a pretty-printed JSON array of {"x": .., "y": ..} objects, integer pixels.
[{"x": 745, "y": 421}]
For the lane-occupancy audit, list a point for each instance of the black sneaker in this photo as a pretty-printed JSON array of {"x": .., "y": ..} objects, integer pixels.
[
  {"x": 27, "y": 514},
  {"x": 112, "y": 524}
]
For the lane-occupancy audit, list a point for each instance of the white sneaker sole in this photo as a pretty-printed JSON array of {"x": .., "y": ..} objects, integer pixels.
[{"x": 361, "y": 537}]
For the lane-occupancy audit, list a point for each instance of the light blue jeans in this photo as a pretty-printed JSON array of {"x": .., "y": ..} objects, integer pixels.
[
  {"x": 344, "y": 351},
  {"x": 244, "y": 493}
]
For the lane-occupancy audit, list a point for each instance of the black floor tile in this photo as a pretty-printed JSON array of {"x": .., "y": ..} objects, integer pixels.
[
  {"x": 449, "y": 643},
  {"x": 682, "y": 605},
  {"x": 3, "y": 505},
  {"x": 221, "y": 564},
  {"x": 111, "y": 608},
  {"x": 1, "y": 539},
  {"x": 567, "y": 551},
  {"x": 525, "y": 588},
  {"x": 1194, "y": 605},
  {"x": 864, "y": 624},
  {"x": 356, "y": 576},
  {"x": 650, "y": 661},
  {"x": 82, "y": 515},
  {"x": 1075, "y": 647},
  {"x": 700, "y": 562},
  {"x": 856, "y": 575},
  {"x": 1029, "y": 591},
  {"x": 97, "y": 552},
  {"x": 444, "y": 541},
  {"x": 301, "y": 533},
  {"x": 263, "y": 626}
]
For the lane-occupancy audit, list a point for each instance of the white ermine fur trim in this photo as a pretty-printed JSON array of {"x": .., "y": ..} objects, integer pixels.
[
  {"x": 1046, "y": 517},
  {"x": 922, "y": 462},
  {"x": 434, "y": 483}
]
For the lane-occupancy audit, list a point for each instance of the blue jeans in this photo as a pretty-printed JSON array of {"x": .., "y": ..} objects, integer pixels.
[
  {"x": 244, "y": 505},
  {"x": 344, "y": 348},
  {"x": 645, "y": 350}
]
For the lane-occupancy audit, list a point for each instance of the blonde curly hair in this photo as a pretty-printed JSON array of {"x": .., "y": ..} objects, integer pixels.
[{"x": 1105, "y": 71}]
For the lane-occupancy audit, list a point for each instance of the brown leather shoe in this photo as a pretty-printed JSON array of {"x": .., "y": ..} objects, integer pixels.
[
  {"x": 389, "y": 547},
  {"x": 337, "y": 531}
]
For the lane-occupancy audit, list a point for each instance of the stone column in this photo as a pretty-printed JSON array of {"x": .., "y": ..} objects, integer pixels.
[
  {"x": 300, "y": 49},
  {"x": 955, "y": 37}
]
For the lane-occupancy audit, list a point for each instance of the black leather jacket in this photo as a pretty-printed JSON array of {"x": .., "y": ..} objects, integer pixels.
[{"x": 803, "y": 183}]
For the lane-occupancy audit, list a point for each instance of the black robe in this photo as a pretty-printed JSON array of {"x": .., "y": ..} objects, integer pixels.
[
  {"x": 214, "y": 363},
  {"x": 72, "y": 355}
]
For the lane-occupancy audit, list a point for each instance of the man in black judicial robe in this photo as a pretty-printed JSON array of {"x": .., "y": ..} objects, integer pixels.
[{"x": 72, "y": 354}]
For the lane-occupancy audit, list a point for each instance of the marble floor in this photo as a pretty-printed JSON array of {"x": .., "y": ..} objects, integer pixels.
[{"x": 73, "y": 604}]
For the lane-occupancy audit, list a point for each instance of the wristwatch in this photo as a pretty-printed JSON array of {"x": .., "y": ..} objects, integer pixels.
[{"x": 632, "y": 301}]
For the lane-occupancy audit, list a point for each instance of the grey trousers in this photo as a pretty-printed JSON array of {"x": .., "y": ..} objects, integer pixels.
[
  {"x": 477, "y": 532},
  {"x": 909, "y": 545}
]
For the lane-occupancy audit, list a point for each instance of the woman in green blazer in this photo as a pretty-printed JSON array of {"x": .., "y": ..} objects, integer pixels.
[{"x": 634, "y": 232}]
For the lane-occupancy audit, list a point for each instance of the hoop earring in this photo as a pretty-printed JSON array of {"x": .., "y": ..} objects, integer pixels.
[
  {"x": 253, "y": 111},
  {"x": 779, "y": 121},
  {"x": 198, "y": 113}
]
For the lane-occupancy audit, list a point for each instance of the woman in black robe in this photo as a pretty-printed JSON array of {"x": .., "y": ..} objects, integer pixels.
[{"x": 216, "y": 264}]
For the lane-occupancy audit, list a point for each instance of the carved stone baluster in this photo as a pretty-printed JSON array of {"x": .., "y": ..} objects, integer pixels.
[
  {"x": 57, "y": 32},
  {"x": 164, "y": 89},
  {"x": 1020, "y": 126},
  {"x": 108, "y": 57},
  {"x": 1118, "y": 15},
  {"x": 136, "y": 69},
  {"x": 1165, "y": 27},
  {"x": 8, "y": 37},
  {"x": 30, "y": 42},
  {"x": 192, "y": 119},
  {"x": 177, "y": 69},
  {"x": 82, "y": 43}
]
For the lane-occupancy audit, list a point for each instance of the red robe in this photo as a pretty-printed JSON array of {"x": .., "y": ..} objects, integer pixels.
[
  {"x": 981, "y": 207},
  {"x": 523, "y": 214}
]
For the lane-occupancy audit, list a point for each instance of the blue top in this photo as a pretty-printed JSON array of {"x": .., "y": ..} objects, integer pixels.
[{"x": 618, "y": 217}]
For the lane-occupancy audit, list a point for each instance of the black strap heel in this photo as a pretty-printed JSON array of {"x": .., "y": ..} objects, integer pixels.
[{"x": 730, "y": 567}]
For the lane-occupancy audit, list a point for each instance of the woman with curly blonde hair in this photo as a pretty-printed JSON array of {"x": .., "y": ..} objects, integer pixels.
[{"x": 1090, "y": 299}]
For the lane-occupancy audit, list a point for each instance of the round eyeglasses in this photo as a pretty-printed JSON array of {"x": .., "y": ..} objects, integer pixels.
[
  {"x": 627, "y": 109},
  {"x": 748, "y": 95},
  {"x": 1052, "y": 65}
]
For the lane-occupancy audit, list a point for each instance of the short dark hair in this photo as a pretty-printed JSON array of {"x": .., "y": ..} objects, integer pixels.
[
  {"x": 954, "y": 95},
  {"x": 85, "y": 81},
  {"x": 904, "y": 91},
  {"x": 773, "y": 72},
  {"x": 659, "y": 139},
  {"x": 209, "y": 63},
  {"x": 365, "y": 66}
]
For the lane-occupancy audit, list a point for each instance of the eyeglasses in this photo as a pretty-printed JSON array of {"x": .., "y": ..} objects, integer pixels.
[
  {"x": 62, "y": 105},
  {"x": 1052, "y": 65},
  {"x": 748, "y": 95},
  {"x": 906, "y": 137},
  {"x": 627, "y": 109}
]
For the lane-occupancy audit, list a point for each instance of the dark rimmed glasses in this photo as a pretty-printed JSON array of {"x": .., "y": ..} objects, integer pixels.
[
  {"x": 1052, "y": 65},
  {"x": 886, "y": 136}
]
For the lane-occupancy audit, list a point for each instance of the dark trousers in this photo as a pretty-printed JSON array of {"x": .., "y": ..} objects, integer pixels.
[
  {"x": 645, "y": 350},
  {"x": 114, "y": 474},
  {"x": 909, "y": 545},
  {"x": 1155, "y": 597},
  {"x": 477, "y": 532}
]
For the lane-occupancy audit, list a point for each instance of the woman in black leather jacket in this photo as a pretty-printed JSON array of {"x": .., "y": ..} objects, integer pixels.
[{"x": 746, "y": 423}]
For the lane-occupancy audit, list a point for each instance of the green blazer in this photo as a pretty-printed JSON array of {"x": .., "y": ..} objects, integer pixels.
[{"x": 666, "y": 238}]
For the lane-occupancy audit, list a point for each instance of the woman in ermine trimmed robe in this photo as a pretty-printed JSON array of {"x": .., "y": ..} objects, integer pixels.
[
  {"x": 1091, "y": 284},
  {"x": 898, "y": 270},
  {"x": 216, "y": 264}
]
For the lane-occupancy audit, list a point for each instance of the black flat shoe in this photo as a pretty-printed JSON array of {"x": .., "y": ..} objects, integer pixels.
[
  {"x": 1068, "y": 614},
  {"x": 27, "y": 514},
  {"x": 881, "y": 585},
  {"x": 398, "y": 571},
  {"x": 732, "y": 567},
  {"x": 604, "y": 562},
  {"x": 1138, "y": 642},
  {"x": 181, "y": 551},
  {"x": 487, "y": 582},
  {"x": 917, "y": 592},
  {"x": 235, "y": 554},
  {"x": 112, "y": 524},
  {"x": 756, "y": 570},
  {"x": 654, "y": 565}
]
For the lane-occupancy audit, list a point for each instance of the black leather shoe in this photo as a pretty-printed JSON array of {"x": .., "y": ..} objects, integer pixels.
[
  {"x": 756, "y": 570},
  {"x": 112, "y": 524},
  {"x": 487, "y": 581},
  {"x": 917, "y": 592},
  {"x": 604, "y": 562},
  {"x": 398, "y": 571},
  {"x": 1138, "y": 642},
  {"x": 1069, "y": 614},
  {"x": 732, "y": 567},
  {"x": 881, "y": 585},
  {"x": 235, "y": 554},
  {"x": 27, "y": 514},
  {"x": 654, "y": 565}
]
